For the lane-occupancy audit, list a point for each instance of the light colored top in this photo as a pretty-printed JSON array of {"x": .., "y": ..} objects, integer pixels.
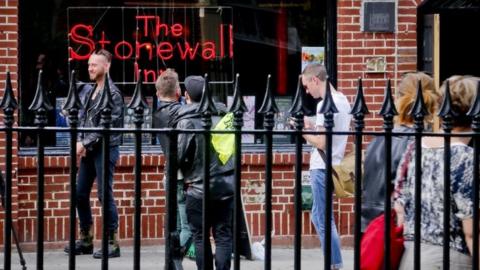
[
  {"x": 341, "y": 123},
  {"x": 461, "y": 188}
]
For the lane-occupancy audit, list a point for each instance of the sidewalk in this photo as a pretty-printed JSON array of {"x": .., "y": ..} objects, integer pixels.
[{"x": 152, "y": 257}]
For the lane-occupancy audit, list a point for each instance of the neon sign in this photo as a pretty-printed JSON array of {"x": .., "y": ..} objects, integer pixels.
[{"x": 150, "y": 28}]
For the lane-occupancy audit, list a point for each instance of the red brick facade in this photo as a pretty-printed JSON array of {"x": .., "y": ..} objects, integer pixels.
[
  {"x": 354, "y": 47},
  {"x": 9, "y": 62}
]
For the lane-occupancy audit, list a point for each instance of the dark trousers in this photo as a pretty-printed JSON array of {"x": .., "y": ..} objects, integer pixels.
[
  {"x": 220, "y": 221},
  {"x": 91, "y": 167}
]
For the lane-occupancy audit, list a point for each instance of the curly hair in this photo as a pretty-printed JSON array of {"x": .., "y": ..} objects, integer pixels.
[{"x": 407, "y": 92}]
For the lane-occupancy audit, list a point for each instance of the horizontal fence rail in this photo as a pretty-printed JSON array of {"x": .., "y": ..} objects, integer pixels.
[{"x": 40, "y": 107}]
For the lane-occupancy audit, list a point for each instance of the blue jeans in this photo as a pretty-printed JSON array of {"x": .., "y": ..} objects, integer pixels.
[
  {"x": 91, "y": 167},
  {"x": 317, "y": 177}
]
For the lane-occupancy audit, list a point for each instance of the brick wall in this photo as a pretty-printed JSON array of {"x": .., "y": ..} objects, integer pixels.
[
  {"x": 354, "y": 47},
  {"x": 153, "y": 212},
  {"x": 8, "y": 62}
]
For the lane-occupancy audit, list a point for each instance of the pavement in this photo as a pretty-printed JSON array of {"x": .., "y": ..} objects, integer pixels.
[{"x": 153, "y": 257}]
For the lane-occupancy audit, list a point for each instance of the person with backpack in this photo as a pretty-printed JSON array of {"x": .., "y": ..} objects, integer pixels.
[
  {"x": 314, "y": 80},
  {"x": 191, "y": 148}
]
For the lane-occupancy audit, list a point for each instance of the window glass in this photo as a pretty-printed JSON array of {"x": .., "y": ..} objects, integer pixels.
[{"x": 267, "y": 38}]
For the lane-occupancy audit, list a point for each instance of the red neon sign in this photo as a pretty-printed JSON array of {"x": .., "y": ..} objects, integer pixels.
[{"x": 82, "y": 35}]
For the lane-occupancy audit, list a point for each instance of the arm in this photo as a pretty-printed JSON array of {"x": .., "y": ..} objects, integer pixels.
[
  {"x": 400, "y": 213},
  {"x": 467, "y": 226}
]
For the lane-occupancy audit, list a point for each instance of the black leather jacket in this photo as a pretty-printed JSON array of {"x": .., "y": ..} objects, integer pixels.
[
  {"x": 163, "y": 118},
  {"x": 90, "y": 117},
  {"x": 191, "y": 148},
  {"x": 373, "y": 190}
]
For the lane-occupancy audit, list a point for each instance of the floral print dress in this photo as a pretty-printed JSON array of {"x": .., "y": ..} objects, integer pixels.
[{"x": 461, "y": 204}]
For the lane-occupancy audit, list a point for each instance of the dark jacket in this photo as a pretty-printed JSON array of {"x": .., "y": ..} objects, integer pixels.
[
  {"x": 191, "y": 149},
  {"x": 163, "y": 118},
  {"x": 91, "y": 118},
  {"x": 373, "y": 190}
]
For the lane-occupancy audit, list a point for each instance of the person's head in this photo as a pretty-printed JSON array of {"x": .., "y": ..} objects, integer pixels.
[
  {"x": 194, "y": 88},
  {"x": 314, "y": 78},
  {"x": 167, "y": 85},
  {"x": 407, "y": 92},
  {"x": 99, "y": 64},
  {"x": 462, "y": 92}
]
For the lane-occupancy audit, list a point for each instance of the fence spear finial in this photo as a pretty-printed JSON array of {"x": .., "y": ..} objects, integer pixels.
[
  {"x": 8, "y": 103},
  {"x": 73, "y": 100},
  {"x": 388, "y": 106},
  {"x": 8, "y": 100},
  {"x": 268, "y": 105},
  {"x": 419, "y": 109},
  {"x": 328, "y": 105},
  {"x": 238, "y": 104},
  {"x": 138, "y": 102},
  {"x": 105, "y": 105},
  {"x": 206, "y": 102},
  {"x": 40, "y": 104},
  {"x": 359, "y": 106},
  {"x": 298, "y": 106}
]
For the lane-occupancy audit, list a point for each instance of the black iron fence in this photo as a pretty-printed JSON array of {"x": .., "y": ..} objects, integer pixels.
[{"x": 41, "y": 105}]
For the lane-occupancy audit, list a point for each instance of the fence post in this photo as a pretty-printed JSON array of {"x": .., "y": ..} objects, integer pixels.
[
  {"x": 297, "y": 112},
  {"x": 446, "y": 112},
  {"x": 40, "y": 106},
  {"x": 358, "y": 111},
  {"x": 8, "y": 104},
  {"x": 268, "y": 109},
  {"x": 388, "y": 111},
  {"x": 419, "y": 112},
  {"x": 206, "y": 109},
  {"x": 105, "y": 106},
  {"x": 238, "y": 108},
  {"x": 138, "y": 104},
  {"x": 72, "y": 106},
  {"x": 328, "y": 109}
]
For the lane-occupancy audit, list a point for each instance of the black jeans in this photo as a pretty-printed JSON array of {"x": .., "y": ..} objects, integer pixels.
[
  {"x": 91, "y": 168},
  {"x": 219, "y": 219}
]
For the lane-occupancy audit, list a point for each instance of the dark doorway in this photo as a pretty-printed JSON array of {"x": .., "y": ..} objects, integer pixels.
[
  {"x": 459, "y": 52},
  {"x": 459, "y": 49}
]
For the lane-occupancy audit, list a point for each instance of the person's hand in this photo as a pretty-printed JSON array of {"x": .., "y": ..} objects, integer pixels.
[
  {"x": 81, "y": 151},
  {"x": 308, "y": 124}
]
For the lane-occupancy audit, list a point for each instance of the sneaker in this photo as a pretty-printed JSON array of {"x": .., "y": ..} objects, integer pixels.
[
  {"x": 81, "y": 247},
  {"x": 113, "y": 252}
]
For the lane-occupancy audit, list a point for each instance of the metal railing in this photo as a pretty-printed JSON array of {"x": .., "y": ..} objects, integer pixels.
[{"x": 40, "y": 106}]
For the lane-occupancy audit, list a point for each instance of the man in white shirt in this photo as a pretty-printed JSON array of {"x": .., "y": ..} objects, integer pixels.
[{"x": 314, "y": 79}]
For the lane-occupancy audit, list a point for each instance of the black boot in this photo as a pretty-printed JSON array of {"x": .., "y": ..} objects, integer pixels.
[
  {"x": 113, "y": 248},
  {"x": 84, "y": 245}
]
